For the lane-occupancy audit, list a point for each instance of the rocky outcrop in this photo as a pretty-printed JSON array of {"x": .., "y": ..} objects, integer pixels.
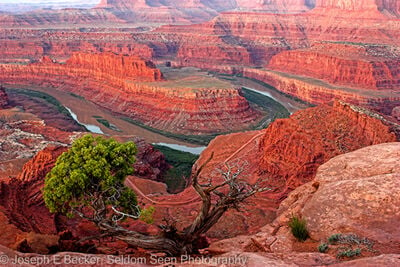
[
  {"x": 22, "y": 202},
  {"x": 131, "y": 68},
  {"x": 285, "y": 155},
  {"x": 24, "y": 45},
  {"x": 396, "y": 113},
  {"x": 387, "y": 7},
  {"x": 355, "y": 193},
  {"x": 294, "y": 148},
  {"x": 26, "y": 224},
  {"x": 362, "y": 66},
  {"x": 113, "y": 82},
  {"x": 370, "y": 179}
]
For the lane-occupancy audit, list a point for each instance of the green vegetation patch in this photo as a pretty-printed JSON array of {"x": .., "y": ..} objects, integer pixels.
[
  {"x": 43, "y": 96},
  {"x": 77, "y": 96},
  {"x": 106, "y": 123},
  {"x": 280, "y": 92},
  {"x": 193, "y": 139},
  {"x": 273, "y": 109},
  {"x": 298, "y": 227},
  {"x": 346, "y": 245},
  {"x": 182, "y": 163}
]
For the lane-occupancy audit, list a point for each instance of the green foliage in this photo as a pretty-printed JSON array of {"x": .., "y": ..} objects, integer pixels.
[
  {"x": 92, "y": 168},
  {"x": 298, "y": 227},
  {"x": 333, "y": 239},
  {"x": 182, "y": 163},
  {"x": 147, "y": 215},
  {"x": 323, "y": 247},
  {"x": 106, "y": 123},
  {"x": 193, "y": 139},
  {"x": 43, "y": 96},
  {"x": 349, "y": 245},
  {"x": 350, "y": 253}
]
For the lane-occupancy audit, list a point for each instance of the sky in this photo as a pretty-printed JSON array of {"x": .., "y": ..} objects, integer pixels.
[{"x": 41, "y": 1}]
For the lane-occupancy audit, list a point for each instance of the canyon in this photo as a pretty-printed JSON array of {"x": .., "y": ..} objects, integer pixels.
[
  {"x": 286, "y": 156},
  {"x": 178, "y": 70},
  {"x": 261, "y": 40},
  {"x": 135, "y": 88}
]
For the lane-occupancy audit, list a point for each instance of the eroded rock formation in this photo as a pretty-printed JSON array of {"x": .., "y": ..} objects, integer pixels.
[
  {"x": 294, "y": 148},
  {"x": 285, "y": 156},
  {"x": 331, "y": 205},
  {"x": 132, "y": 87},
  {"x": 29, "y": 151},
  {"x": 361, "y": 66}
]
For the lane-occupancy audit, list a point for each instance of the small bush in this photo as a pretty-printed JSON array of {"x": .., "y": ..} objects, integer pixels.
[
  {"x": 333, "y": 239},
  {"x": 298, "y": 228},
  {"x": 350, "y": 253},
  {"x": 147, "y": 215},
  {"x": 323, "y": 247}
]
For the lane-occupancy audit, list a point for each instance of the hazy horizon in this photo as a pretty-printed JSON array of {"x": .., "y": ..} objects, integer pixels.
[{"x": 46, "y": 1}]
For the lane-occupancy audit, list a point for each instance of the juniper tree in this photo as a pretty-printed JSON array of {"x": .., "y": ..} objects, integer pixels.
[{"x": 88, "y": 181}]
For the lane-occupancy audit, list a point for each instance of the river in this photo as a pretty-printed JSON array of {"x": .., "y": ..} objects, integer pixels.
[
  {"x": 91, "y": 128},
  {"x": 193, "y": 150}
]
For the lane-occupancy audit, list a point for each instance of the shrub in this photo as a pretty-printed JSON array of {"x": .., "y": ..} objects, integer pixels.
[
  {"x": 350, "y": 253},
  {"x": 323, "y": 247},
  {"x": 333, "y": 239},
  {"x": 298, "y": 228}
]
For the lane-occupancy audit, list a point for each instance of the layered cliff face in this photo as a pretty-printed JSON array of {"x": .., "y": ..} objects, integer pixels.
[
  {"x": 113, "y": 82},
  {"x": 319, "y": 92},
  {"x": 387, "y": 7},
  {"x": 362, "y": 66},
  {"x": 24, "y": 45},
  {"x": 294, "y": 148},
  {"x": 131, "y": 68},
  {"x": 277, "y": 6},
  {"x": 60, "y": 17}
]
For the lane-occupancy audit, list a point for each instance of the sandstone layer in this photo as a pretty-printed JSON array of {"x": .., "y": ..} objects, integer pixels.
[
  {"x": 294, "y": 148},
  {"x": 134, "y": 88},
  {"x": 362, "y": 66},
  {"x": 360, "y": 47},
  {"x": 319, "y": 92},
  {"x": 330, "y": 205}
]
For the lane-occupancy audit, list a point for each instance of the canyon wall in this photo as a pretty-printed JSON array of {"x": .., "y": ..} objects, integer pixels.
[
  {"x": 361, "y": 66},
  {"x": 286, "y": 155},
  {"x": 172, "y": 108},
  {"x": 294, "y": 148},
  {"x": 387, "y": 7},
  {"x": 318, "y": 92},
  {"x": 31, "y": 44},
  {"x": 131, "y": 68}
]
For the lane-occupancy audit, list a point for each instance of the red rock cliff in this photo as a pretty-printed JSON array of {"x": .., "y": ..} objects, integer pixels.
[
  {"x": 294, "y": 148},
  {"x": 158, "y": 104},
  {"x": 363, "y": 66},
  {"x": 123, "y": 67}
]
